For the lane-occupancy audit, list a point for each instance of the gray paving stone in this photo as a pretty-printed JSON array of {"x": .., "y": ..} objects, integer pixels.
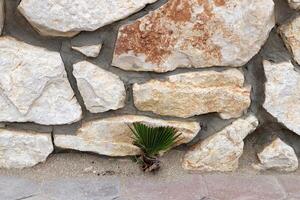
[
  {"x": 185, "y": 188},
  {"x": 291, "y": 185},
  {"x": 12, "y": 188},
  {"x": 238, "y": 187},
  {"x": 82, "y": 189}
]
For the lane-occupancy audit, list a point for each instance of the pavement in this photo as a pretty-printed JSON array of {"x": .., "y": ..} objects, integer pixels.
[
  {"x": 78, "y": 176},
  {"x": 191, "y": 187}
]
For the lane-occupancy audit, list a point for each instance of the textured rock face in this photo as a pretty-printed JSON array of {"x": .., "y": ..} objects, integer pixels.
[
  {"x": 101, "y": 90},
  {"x": 221, "y": 152},
  {"x": 89, "y": 51},
  {"x": 186, "y": 33},
  {"x": 290, "y": 33},
  {"x": 23, "y": 149},
  {"x": 68, "y": 18},
  {"x": 283, "y": 94},
  {"x": 195, "y": 93},
  {"x": 2, "y": 15},
  {"x": 294, "y": 4},
  {"x": 34, "y": 85},
  {"x": 278, "y": 156},
  {"x": 112, "y": 136}
]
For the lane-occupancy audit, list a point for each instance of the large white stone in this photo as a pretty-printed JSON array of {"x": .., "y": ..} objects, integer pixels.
[
  {"x": 113, "y": 137},
  {"x": 290, "y": 33},
  {"x": 195, "y": 93},
  {"x": 195, "y": 33},
  {"x": 89, "y": 51},
  {"x": 2, "y": 15},
  {"x": 34, "y": 85},
  {"x": 294, "y": 4},
  {"x": 279, "y": 156},
  {"x": 101, "y": 90},
  {"x": 20, "y": 149},
  {"x": 283, "y": 93},
  {"x": 221, "y": 152},
  {"x": 69, "y": 17}
]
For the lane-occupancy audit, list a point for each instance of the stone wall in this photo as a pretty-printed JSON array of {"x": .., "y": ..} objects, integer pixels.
[{"x": 75, "y": 73}]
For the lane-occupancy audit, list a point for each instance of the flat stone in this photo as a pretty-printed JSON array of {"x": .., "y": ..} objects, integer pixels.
[
  {"x": 101, "y": 90},
  {"x": 221, "y": 151},
  {"x": 113, "y": 137},
  {"x": 189, "y": 33},
  {"x": 195, "y": 93},
  {"x": 283, "y": 94},
  {"x": 2, "y": 15},
  {"x": 290, "y": 33},
  {"x": 68, "y": 18},
  {"x": 20, "y": 149},
  {"x": 279, "y": 156},
  {"x": 34, "y": 85},
  {"x": 89, "y": 51},
  {"x": 295, "y": 4}
]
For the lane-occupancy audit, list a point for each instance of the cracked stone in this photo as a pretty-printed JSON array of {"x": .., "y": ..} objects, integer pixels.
[
  {"x": 279, "y": 156},
  {"x": 68, "y": 18},
  {"x": 20, "y": 149},
  {"x": 34, "y": 86},
  {"x": 190, "y": 33},
  {"x": 295, "y": 4},
  {"x": 113, "y": 137},
  {"x": 89, "y": 51},
  {"x": 195, "y": 93},
  {"x": 101, "y": 90},
  {"x": 221, "y": 151},
  {"x": 283, "y": 94}
]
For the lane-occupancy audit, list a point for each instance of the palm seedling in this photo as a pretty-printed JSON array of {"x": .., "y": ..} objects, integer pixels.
[{"x": 153, "y": 141}]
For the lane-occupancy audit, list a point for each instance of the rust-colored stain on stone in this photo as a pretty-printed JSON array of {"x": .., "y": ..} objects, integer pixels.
[{"x": 219, "y": 2}]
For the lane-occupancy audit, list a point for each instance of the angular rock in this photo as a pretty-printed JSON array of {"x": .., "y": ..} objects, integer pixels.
[
  {"x": 68, "y": 18},
  {"x": 295, "y": 4},
  {"x": 20, "y": 149},
  {"x": 195, "y": 93},
  {"x": 89, "y": 51},
  {"x": 221, "y": 152},
  {"x": 2, "y": 15},
  {"x": 283, "y": 94},
  {"x": 34, "y": 85},
  {"x": 101, "y": 90},
  {"x": 279, "y": 156},
  {"x": 190, "y": 33},
  {"x": 113, "y": 137},
  {"x": 290, "y": 34}
]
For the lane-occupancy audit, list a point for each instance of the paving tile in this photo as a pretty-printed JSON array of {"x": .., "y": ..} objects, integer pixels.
[
  {"x": 82, "y": 189},
  {"x": 291, "y": 185},
  {"x": 238, "y": 187},
  {"x": 184, "y": 188},
  {"x": 12, "y": 188}
]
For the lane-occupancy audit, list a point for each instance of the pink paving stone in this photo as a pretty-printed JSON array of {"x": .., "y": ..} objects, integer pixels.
[
  {"x": 184, "y": 188},
  {"x": 239, "y": 187},
  {"x": 291, "y": 185}
]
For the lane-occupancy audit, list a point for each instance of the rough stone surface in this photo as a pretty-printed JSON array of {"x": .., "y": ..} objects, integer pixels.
[
  {"x": 89, "y": 51},
  {"x": 112, "y": 136},
  {"x": 19, "y": 149},
  {"x": 221, "y": 152},
  {"x": 190, "y": 33},
  {"x": 295, "y": 4},
  {"x": 34, "y": 85},
  {"x": 101, "y": 90},
  {"x": 2, "y": 15},
  {"x": 283, "y": 93},
  {"x": 68, "y": 18},
  {"x": 290, "y": 33},
  {"x": 195, "y": 93},
  {"x": 279, "y": 156}
]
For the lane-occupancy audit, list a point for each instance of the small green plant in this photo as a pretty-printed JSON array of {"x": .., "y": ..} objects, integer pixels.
[{"x": 152, "y": 141}]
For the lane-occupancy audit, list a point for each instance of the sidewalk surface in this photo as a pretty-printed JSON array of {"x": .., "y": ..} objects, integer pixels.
[{"x": 192, "y": 187}]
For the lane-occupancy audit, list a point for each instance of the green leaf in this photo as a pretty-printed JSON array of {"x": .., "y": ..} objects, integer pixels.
[{"x": 152, "y": 140}]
